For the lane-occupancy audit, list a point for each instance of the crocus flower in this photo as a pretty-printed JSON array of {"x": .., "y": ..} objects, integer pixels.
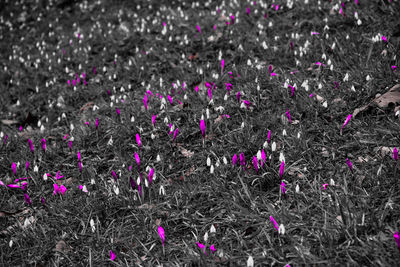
[
  {"x": 276, "y": 225},
  {"x": 161, "y": 233},
  {"x": 242, "y": 159},
  {"x": 118, "y": 112},
  {"x": 394, "y": 67},
  {"x": 170, "y": 99},
  {"x": 283, "y": 187},
  {"x": 43, "y": 144},
  {"x": 137, "y": 159},
  {"x": 58, "y": 176},
  {"x": 27, "y": 165},
  {"x": 30, "y": 145},
  {"x": 255, "y": 163},
  {"x": 325, "y": 186},
  {"x": 209, "y": 93},
  {"x": 397, "y": 239},
  {"x": 80, "y": 166},
  {"x": 222, "y": 65},
  {"x": 43, "y": 200},
  {"x": 349, "y": 164},
  {"x": 288, "y": 115},
  {"x": 13, "y": 186},
  {"x": 83, "y": 188},
  {"x": 59, "y": 189},
  {"x": 138, "y": 141},
  {"x": 238, "y": 96},
  {"x": 212, "y": 248},
  {"x": 269, "y": 136},
  {"x": 14, "y": 168},
  {"x": 347, "y": 120},
  {"x": 228, "y": 87},
  {"x": 234, "y": 160},
  {"x": 27, "y": 199},
  {"x": 145, "y": 101},
  {"x": 112, "y": 255},
  {"x": 70, "y": 144},
  {"x": 202, "y": 247},
  {"x": 151, "y": 174},
  {"x": 203, "y": 128},
  {"x": 153, "y": 119},
  {"x": 114, "y": 175},
  {"x": 198, "y": 28},
  {"x": 395, "y": 154},
  {"x": 97, "y": 123},
  {"x": 175, "y": 134},
  {"x": 282, "y": 169},
  {"x": 384, "y": 38},
  {"x": 79, "y": 155},
  {"x": 263, "y": 158}
]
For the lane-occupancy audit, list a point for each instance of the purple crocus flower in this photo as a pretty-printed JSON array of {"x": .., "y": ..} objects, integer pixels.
[
  {"x": 263, "y": 158},
  {"x": 212, "y": 248},
  {"x": 282, "y": 169},
  {"x": 132, "y": 182},
  {"x": 234, "y": 160},
  {"x": 27, "y": 199},
  {"x": 395, "y": 154},
  {"x": 222, "y": 65},
  {"x": 283, "y": 187},
  {"x": 175, "y": 134},
  {"x": 112, "y": 255},
  {"x": 161, "y": 233},
  {"x": 14, "y": 168},
  {"x": 137, "y": 159},
  {"x": 269, "y": 136},
  {"x": 238, "y": 96},
  {"x": 276, "y": 225},
  {"x": 170, "y": 99},
  {"x": 43, "y": 144},
  {"x": 70, "y": 145},
  {"x": 255, "y": 163},
  {"x": 114, "y": 175},
  {"x": 145, "y": 101},
  {"x": 209, "y": 93},
  {"x": 288, "y": 116},
  {"x": 79, "y": 155},
  {"x": 97, "y": 123},
  {"x": 202, "y": 247},
  {"x": 242, "y": 159},
  {"x": 30, "y": 145},
  {"x": 349, "y": 164},
  {"x": 198, "y": 28},
  {"x": 27, "y": 165},
  {"x": 397, "y": 239},
  {"x": 118, "y": 112},
  {"x": 80, "y": 166},
  {"x": 347, "y": 120},
  {"x": 151, "y": 174},
  {"x": 138, "y": 141},
  {"x": 203, "y": 128},
  {"x": 43, "y": 200},
  {"x": 153, "y": 119}
]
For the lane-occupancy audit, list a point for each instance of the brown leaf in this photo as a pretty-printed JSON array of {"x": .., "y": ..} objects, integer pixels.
[
  {"x": 391, "y": 96},
  {"x": 61, "y": 246},
  {"x": 146, "y": 206},
  {"x": 86, "y": 106},
  {"x": 185, "y": 152},
  {"x": 158, "y": 222}
]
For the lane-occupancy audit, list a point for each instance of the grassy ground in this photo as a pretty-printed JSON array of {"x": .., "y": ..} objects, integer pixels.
[{"x": 328, "y": 215}]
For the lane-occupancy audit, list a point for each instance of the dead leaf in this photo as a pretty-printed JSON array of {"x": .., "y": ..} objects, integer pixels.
[
  {"x": 158, "y": 222},
  {"x": 62, "y": 247},
  {"x": 146, "y": 206},
  {"x": 185, "y": 152},
  {"x": 218, "y": 119},
  {"x": 320, "y": 98}
]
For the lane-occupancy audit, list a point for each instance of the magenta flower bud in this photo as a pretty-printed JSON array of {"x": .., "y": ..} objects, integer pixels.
[
  {"x": 137, "y": 159},
  {"x": 288, "y": 116},
  {"x": 151, "y": 174},
  {"x": 138, "y": 141},
  {"x": 161, "y": 233},
  {"x": 238, "y": 96},
  {"x": 114, "y": 175},
  {"x": 132, "y": 182},
  {"x": 73, "y": 83},
  {"x": 145, "y": 101},
  {"x": 198, "y": 28},
  {"x": 395, "y": 154},
  {"x": 97, "y": 123},
  {"x": 347, "y": 120},
  {"x": 83, "y": 75},
  {"x": 397, "y": 239},
  {"x": 222, "y": 65},
  {"x": 282, "y": 169},
  {"x": 242, "y": 159},
  {"x": 283, "y": 188},
  {"x": 170, "y": 99},
  {"x": 276, "y": 225},
  {"x": 94, "y": 69},
  {"x": 112, "y": 255},
  {"x": 27, "y": 199},
  {"x": 212, "y": 248},
  {"x": 58, "y": 176},
  {"x": 80, "y": 166},
  {"x": 234, "y": 160},
  {"x": 30, "y": 145},
  {"x": 43, "y": 144},
  {"x": 175, "y": 134},
  {"x": 42, "y": 200},
  {"x": 203, "y": 128},
  {"x": 269, "y": 136},
  {"x": 118, "y": 112},
  {"x": 27, "y": 165},
  {"x": 79, "y": 155},
  {"x": 70, "y": 145},
  {"x": 69, "y": 83},
  {"x": 349, "y": 164},
  {"x": 255, "y": 163},
  {"x": 209, "y": 93},
  {"x": 14, "y": 168},
  {"x": 263, "y": 158},
  {"x": 202, "y": 247},
  {"x": 63, "y": 189},
  {"x": 384, "y": 38},
  {"x": 153, "y": 119}
]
